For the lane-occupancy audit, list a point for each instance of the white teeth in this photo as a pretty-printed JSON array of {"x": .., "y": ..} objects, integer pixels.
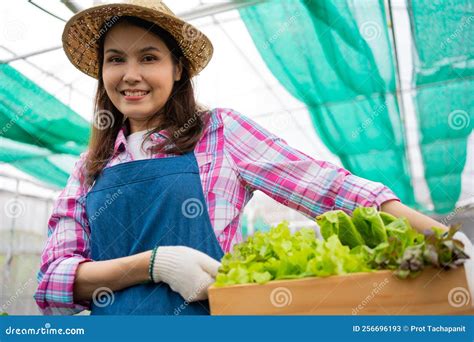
[{"x": 134, "y": 93}]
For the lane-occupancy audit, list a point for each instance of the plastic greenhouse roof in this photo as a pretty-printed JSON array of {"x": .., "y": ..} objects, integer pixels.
[{"x": 236, "y": 78}]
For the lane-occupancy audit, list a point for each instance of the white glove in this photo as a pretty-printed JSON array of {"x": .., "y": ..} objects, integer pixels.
[
  {"x": 469, "y": 264},
  {"x": 186, "y": 270}
]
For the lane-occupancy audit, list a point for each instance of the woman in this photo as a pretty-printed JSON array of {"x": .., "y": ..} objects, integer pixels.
[{"x": 155, "y": 201}]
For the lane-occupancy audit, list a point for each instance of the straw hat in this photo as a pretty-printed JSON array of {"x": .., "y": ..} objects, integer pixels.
[{"x": 83, "y": 31}]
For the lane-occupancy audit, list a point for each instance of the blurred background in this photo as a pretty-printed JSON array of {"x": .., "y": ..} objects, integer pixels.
[{"x": 382, "y": 88}]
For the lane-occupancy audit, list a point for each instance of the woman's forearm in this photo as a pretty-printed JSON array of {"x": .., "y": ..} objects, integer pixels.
[
  {"x": 115, "y": 274},
  {"x": 120, "y": 273},
  {"x": 417, "y": 220}
]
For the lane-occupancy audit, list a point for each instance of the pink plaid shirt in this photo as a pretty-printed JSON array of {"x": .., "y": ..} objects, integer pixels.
[{"x": 236, "y": 156}]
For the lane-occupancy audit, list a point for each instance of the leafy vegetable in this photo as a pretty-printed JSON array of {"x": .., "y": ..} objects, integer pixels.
[
  {"x": 370, "y": 225},
  {"x": 278, "y": 254},
  {"x": 339, "y": 223},
  {"x": 387, "y": 218},
  {"x": 391, "y": 243},
  {"x": 442, "y": 250},
  {"x": 370, "y": 240},
  {"x": 403, "y": 250},
  {"x": 411, "y": 262}
]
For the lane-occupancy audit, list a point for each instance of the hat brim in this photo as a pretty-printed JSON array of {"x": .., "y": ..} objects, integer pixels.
[{"x": 83, "y": 31}]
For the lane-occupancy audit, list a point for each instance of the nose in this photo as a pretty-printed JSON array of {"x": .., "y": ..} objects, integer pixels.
[{"x": 132, "y": 73}]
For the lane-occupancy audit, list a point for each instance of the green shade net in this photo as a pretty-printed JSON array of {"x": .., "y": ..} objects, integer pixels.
[
  {"x": 40, "y": 163},
  {"x": 244, "y": 224},
  {"x": 337, "y": 58},
  {"x": 38, "y": 133},
  {"x": 443, "y": 34},
  {"x": 31, "y": 115},
  {"x": 259, "y": 225}
]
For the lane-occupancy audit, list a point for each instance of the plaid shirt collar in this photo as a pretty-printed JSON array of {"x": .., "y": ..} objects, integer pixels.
[{"x": 121, "y": 140}]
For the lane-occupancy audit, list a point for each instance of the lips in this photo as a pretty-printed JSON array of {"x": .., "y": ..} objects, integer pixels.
[{"x": 134, "y": 95}]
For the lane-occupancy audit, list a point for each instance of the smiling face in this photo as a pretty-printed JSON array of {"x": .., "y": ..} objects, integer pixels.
[{"x": 138, "y": 73}]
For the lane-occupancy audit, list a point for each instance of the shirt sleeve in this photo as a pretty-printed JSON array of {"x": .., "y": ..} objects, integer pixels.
[
  {"x": 267, "y": 163},
  {"x": 67, "y": 246}
]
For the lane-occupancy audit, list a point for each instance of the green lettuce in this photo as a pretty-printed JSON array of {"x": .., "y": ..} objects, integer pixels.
[
  {"x": 338, "y": 223},
  {"x": 278, "y": 254},
  {"x": 370, "y": 240},
  {"x": 391, "y": 243},
  {"x": 370, "y": 225}
]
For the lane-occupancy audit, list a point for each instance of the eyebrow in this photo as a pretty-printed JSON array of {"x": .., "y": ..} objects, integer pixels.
[{"x": 145, "y": 49}]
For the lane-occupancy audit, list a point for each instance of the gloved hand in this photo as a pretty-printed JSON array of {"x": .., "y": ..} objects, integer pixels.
[
  {"x": 469, "y": 264},
  {"x": 186, "y": 270}
]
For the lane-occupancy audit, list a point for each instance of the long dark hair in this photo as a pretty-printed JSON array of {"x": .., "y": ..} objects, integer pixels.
[{"x": 181, "y": 116}]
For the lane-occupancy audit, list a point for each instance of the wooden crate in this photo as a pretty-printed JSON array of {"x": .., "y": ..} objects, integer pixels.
[{"x": 433, "y": 292}]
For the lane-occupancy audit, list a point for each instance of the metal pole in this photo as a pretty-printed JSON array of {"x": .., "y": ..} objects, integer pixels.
[
  {"x": 49, "y": 74},
  {"x": 205, "y": 11},
  {"x": 399, "y": 94},
  {"x": 24, "y": 179},
  {"x": 71, "y": 5},
  {"x": 9, "y": 256},
  {"x": 31, "y": 54}
]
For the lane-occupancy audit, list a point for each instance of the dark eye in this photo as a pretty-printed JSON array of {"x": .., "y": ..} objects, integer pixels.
[
  {"x": 115, "y": 60},
  {"x": 149, "y": 58}
]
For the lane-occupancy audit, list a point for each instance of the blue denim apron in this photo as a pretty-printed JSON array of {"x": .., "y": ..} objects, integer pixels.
[{"x": 134, "y": 206}]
